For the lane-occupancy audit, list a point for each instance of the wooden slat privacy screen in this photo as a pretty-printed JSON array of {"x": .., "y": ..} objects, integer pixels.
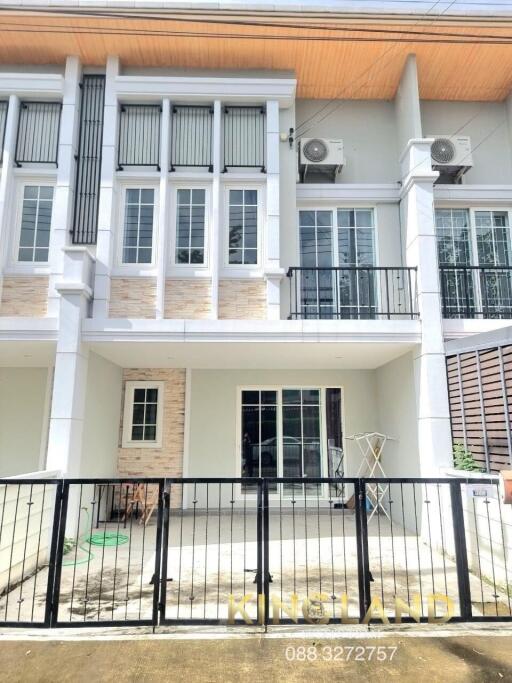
[{"x": 480, "y": 395}]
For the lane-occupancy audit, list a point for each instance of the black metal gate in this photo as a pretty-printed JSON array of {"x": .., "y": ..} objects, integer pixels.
[{"x": 151, "y": 552}]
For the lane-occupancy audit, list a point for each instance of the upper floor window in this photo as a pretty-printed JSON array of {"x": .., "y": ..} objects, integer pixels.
[
  {"x": 36, "y": 216},
  {"x": 138, "y": 225},
  {"x": 243, "y": 227},
  {"x": 190, "y": 226}
]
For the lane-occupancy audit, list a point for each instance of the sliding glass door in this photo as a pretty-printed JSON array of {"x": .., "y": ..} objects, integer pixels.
[
  {"x": 287, "y": 432},
  {"x": 333, "y": 243}
]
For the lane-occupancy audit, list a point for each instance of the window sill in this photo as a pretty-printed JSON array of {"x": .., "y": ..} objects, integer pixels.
[{"x": 155, "y": 445}]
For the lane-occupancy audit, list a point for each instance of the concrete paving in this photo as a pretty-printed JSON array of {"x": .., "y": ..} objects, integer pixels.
[{"x": 428, "y": 656}]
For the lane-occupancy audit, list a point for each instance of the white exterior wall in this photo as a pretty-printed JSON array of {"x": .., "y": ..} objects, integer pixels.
[
  {"x": 213, "y": 409},
  {"x": 22, "y": 419},
  {"x": 102, "y": 418},
  {"x": 369, "y": 134},
  {"x": 486, "y": 123}
]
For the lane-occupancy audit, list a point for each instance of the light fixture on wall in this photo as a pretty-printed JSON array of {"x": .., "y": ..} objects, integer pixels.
[{"x": 287, "y": 137}]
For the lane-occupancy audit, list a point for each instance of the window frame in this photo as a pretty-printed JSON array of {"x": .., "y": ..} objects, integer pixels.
[
  {"x": 244, "y": 268},
  {"x": 136, "y": 268},
  {"x": 279, "y": 388},
  {"x": 129, "y": 393},
  {"x": 189, "y": 268},
  {"x": 28, "y": 267}
]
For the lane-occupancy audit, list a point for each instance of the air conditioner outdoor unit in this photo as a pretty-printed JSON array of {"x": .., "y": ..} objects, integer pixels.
[
  {"x": 318, "y": 154},
  {"x": 451, "y": 154}
]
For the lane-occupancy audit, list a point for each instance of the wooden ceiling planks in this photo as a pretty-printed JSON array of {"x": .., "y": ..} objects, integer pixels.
[{"x": 356, "y": 70}]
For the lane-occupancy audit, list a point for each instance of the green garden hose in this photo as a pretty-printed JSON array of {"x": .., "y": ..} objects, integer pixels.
[{"x": 106, "y": 539}]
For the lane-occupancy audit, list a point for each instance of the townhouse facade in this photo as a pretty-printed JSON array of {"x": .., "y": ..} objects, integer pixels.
[{"x": 182, "y": 296}]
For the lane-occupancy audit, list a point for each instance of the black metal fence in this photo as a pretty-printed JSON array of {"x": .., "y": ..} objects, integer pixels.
[
  {"x": 244, "y": 137},
  {"x": 476, "y": 291},
  {"x": 253, "y": 551},
  {"x": 38, "y": 133},
  {"x": 357, "y": 293}
]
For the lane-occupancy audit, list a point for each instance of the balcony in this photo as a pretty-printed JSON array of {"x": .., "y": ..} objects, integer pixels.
[
  {"x": 476, "y": 292},
  {"x": 353, "y": 293}
]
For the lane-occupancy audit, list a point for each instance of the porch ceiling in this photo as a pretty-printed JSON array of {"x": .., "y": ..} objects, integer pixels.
[
  {"x": 251, "y": 356},
  {"x": 357, "y": 57}
]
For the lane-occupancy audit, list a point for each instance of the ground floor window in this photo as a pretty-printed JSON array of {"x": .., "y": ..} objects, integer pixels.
[
  {"x": 142, "y": 420},
  {"x": 289, "y": 431}
]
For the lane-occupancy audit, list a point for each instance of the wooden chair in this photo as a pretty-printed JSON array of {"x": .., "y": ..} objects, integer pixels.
[{"x": 143, "y": 497}]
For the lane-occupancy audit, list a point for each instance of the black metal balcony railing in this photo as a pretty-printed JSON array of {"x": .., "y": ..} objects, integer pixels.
[
  {"x": 476, "y": 291},
  {"x": 37, "y": 140},
  {"x": 4, "y": 105},
  {"x": 191, "y": 137},
  {"x": 139, "y": 135},
  {"x": 353, "y": 293},
  {"x": 244, "y": 137}
]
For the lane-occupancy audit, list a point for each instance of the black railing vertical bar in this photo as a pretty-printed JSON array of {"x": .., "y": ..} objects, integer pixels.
[
  {"x": 158, "y": 555},
  {"x": 37, "y": 139},
  {"x": 4, "y": 107}
]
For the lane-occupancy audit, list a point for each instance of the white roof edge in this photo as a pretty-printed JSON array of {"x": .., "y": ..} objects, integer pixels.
[{"x": 392, "y": 8}]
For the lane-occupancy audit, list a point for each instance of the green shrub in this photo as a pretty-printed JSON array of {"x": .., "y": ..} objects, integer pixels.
[{"x": 463, "y": 459}]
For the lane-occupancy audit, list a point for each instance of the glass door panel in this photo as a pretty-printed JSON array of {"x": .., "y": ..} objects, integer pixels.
[
  {"x": 302, "y": 452},
  {"x": 493, "y": 244},
  {"x": 356, "y": 248},
  {"x": 316, "y": 286},
  {"x": 259, "y": 435}
]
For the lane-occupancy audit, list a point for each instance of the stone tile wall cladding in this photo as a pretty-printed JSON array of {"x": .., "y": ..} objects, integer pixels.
[
  {"x": 132, "y": 297},
  {"x": 189, "y": 299},
  {"x": 24, "y": 296},
  {"x": 242, "y": 299},
  {"x": 168, "y": 460}
]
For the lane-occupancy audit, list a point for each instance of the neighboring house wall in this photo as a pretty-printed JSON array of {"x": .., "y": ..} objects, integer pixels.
[
  {"x": 102, "y": 418},
  {"x": 486, "y": 124},
  {"x": 368, "y": 131},
  {"x": 24, "y": 296},
  {"x": 167, "y": 460},
  {"x": 22, "y": 414}
]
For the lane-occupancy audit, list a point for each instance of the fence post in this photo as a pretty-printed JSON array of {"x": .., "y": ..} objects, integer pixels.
[
  {"x": 362, "y": 547},
  {"x": 56, "y": 553},
  {"x": 166, "y": 503},
  {"x": 266, "y": 574},
  {"x": 158, "y": 554},
  {"x": 461, "y": 556},
  {"x": 259, "y": 540}
]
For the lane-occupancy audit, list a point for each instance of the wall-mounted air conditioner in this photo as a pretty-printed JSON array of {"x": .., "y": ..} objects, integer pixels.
[
  {"x": 320, "y": 156},
  {"x": 451, "y": 155}
]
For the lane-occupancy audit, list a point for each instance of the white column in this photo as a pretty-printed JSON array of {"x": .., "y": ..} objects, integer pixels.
[
  {"x": 434, "y": 435},
  {"x": 215, "y": 228},
  {"x": 6, "y": 179},
  {"x": 272, "y": 265},
  {"x": 107, "y": 201},
  {"x": 63, "y": 200},
  {"x": 163, "y": 211},
  {"x": 71, "y": 361}
]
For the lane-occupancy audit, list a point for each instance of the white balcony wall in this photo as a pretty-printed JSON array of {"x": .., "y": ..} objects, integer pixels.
[
  {"x": 486, "y": 123},
  {"x": 23, "y": 419},
  {"x": 369, "y": 134}
]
